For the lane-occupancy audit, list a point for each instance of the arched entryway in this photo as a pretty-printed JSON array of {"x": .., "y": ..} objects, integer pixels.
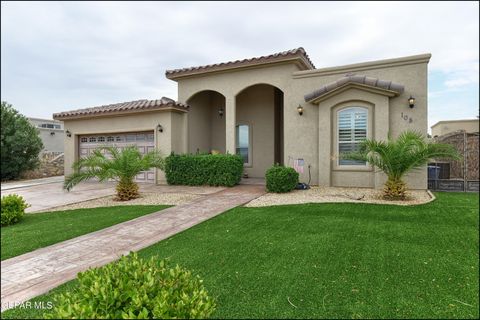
[
  {"x": 206, "y": 122},
  {"x": 259, "y": 127}
]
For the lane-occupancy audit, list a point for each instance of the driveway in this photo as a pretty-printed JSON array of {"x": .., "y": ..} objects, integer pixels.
[{"x": 43, "y": 194}]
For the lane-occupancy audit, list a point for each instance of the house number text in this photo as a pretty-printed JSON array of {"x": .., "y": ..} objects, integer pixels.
[{"x": 406, "y": 117}]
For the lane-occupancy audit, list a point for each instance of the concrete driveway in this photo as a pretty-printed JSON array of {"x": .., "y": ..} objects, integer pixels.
[
  {"x": 43, "y": 194},
  {"x": 49, "y": 194}
]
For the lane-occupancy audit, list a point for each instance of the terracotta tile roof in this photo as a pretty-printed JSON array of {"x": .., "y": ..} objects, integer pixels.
[
  {"x": 352, "y": 78},
  {"x": 123, "y": 107},
  {"x": 299, "y": 53}
]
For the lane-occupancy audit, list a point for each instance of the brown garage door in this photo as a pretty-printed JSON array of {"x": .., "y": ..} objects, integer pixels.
[{"x": 143, "y": 140}]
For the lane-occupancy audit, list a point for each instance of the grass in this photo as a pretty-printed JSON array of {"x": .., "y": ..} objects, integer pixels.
[
  {"x": 43, "y": 229},
  {"x": 332, "y": 260}
]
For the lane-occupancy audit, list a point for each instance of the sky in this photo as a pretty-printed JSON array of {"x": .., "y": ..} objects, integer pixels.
[{"x": 58, "y": 56}]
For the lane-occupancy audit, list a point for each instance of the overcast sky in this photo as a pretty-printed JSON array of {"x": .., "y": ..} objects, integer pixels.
[{"x": 58, "y": 56}]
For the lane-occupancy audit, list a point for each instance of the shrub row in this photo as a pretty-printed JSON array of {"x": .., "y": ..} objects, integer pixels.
[
  {"x": 13, "y": 209},
  {"x": 204, "y": 169},
  {"x": 281, "y": 179}
]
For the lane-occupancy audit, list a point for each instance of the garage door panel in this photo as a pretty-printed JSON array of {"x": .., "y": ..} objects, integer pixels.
[{"x": 144, "y": 141}]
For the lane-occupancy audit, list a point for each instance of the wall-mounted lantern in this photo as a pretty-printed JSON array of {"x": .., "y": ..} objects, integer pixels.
[
  {"x": 411, "y": 102},
  {"x": 160, "y": 128},
  {"x": 69, "y": 134},
  {"x": 52, "y": 133},
  {"x": 300, "y": 109},
  {"x": 220, "y": 112}
]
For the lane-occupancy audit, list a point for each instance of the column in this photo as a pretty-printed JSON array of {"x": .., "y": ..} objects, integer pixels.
[{"x": 230, "y": 124}]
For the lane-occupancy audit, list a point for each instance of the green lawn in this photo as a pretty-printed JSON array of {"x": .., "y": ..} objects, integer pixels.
[
  {"x": 43, "y": 229},
  {"x": 333, "y": 260}
]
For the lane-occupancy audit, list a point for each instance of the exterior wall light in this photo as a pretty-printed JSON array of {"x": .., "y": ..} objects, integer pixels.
[
  {"x": 160, "y": 128},
  {"x": 300, "y": 109},
  {"x": 69, "y": 134},
  {"x": 220, "y": 112},
  {"x": 52, "y": 133},
  {"x": 411, "y": 102}
]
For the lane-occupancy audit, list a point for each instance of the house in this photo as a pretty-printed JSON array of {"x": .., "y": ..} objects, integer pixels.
[
  {"x": 271, "y": 109},
  {"x": 448, "y": 126},
  {"x": 51, "y": 133}
]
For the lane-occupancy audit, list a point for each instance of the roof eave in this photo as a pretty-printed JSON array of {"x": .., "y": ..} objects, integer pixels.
[
  {"x": 299, "y": 61},
  {"x": 58, "y": 116}
]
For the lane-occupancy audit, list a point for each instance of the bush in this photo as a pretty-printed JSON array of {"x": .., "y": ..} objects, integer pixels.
[
  {"x": 281, "y": 179},
  {"x": 204, "y": 169},
  {"x": 13, "y": 209},
  {"x": 134, "y": 288},
  {"x": 19, "y": 142}
]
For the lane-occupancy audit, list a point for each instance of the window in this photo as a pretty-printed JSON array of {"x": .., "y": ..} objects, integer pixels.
[
  {"x": 84, "y": 139},
  {"x": 352, "y": 130},
  {"x": 243, "y": 143},
  {"x": 92, "y": 139},
  {"x": 101, "y": 139},
  {"x": 110, "y": 139},
  {"x": 118, "y": 139}
]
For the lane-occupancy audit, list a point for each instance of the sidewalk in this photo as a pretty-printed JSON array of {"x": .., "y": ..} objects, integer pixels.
[
  {"x": 37, "y": 272},
  {"x": 29, "y": 183}
]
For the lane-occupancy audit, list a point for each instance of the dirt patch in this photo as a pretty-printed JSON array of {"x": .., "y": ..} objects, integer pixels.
[{"x": 332, "y": 194}]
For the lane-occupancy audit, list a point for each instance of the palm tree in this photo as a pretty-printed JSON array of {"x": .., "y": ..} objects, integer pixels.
[
  {"x": 107, "y": 163},
  {"x": 396, "y": 158}
]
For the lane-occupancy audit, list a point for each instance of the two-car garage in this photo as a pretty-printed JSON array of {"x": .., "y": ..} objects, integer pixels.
[{"x": 144, "y": 141}]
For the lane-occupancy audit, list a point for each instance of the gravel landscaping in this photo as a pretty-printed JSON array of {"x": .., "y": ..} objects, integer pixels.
[
  {"x": 171, "y": 199},
  {"x": 331, "y": 194}
]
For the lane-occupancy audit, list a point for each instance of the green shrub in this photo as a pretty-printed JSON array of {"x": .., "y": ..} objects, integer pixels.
[
  {"x": 281, "y": 179},
  {"x": 13, "y": 209},
  {"x": 20, "y": 143},
  {"x": 134, "y": 288},
  {"x": 204, "y": 169}
]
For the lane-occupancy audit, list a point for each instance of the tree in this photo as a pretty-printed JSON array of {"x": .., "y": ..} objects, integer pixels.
[
  {"x": 20, "y": 143},
  {"x": 397, "y": 157},
  {"x": 107, "y": 163}
]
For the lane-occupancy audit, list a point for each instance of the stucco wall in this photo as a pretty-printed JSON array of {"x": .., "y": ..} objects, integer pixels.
[
  {"x": 444, "y": 127},
  {"x": 255, "y": 107},
  {"x": 302, "y": 138},
  {"x": 146, "y": 121},
  {"x": 52, "y": 142}
]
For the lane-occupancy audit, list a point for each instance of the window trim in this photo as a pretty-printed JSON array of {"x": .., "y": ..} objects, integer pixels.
[
  {"x": 249, "y": 164},
  {"x": 339, "y": 166}
]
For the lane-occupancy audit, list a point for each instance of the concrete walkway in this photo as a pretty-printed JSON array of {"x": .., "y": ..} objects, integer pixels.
[{"x": 37, "y": 272}]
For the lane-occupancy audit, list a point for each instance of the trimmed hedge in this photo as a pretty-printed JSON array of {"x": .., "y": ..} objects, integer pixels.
[
  {"x": 134, "y": 288},
  {"x": 281, "y": 179},
  {"x": 204, "y": 169}
]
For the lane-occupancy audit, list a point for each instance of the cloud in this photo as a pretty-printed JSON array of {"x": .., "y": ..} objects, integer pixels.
[{"x": 62, "y": 55}]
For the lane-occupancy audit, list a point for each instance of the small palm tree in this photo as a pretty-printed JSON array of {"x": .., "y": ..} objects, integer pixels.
[
  {"x": 121, "y": 166},
  {"x": 397, "y": 157}
]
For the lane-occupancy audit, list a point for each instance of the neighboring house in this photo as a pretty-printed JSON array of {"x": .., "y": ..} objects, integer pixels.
[
  {"x": 448, "y": 126},
  {"x": 270, "y": 109},
  {"x": 51, "y": 133}
]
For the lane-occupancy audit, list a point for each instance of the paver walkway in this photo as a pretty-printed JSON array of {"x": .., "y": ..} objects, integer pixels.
[{"x": 39, "y": 271}]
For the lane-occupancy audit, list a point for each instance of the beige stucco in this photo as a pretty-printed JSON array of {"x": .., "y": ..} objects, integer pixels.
[
  {"x": 443, "y": 127},
  {"x": 246, "y": 95},
  {"x": 167, "y": 141},
  {"x": 310, "y": 136}
]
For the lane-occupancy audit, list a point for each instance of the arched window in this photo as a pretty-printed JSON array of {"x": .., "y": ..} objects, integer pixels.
[{"x": 352, "y": 127}]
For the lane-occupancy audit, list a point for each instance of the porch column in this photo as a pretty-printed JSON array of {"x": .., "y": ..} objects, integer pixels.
[{"x": 230, "y": 124}]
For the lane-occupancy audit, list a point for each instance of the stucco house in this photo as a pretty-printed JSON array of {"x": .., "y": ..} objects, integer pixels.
[
  {"x": 51, "y": 133},
  {"x": 271, "y": 109}
]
